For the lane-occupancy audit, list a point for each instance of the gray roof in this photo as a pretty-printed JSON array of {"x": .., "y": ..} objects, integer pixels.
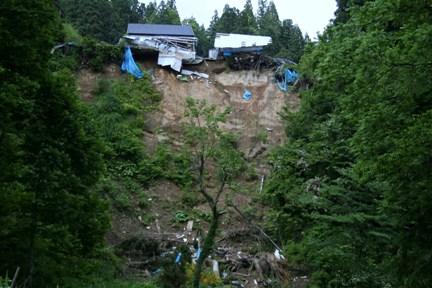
[{"x": 160, "y": 29}]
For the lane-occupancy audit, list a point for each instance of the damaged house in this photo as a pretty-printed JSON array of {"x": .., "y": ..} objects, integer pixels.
[
  {"x": 231, "y": 44},
  {"x": 175, "y": 43},
  {"x": 241, "y": 51}
]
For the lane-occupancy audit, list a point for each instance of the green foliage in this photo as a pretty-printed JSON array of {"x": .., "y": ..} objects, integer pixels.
[
  {"x": 84, "y": 52},
  {"x": 109, "y": 21},
  {"x": 71, "y": 34},
  {"x": 119, "y": 110},
  {"x": 92, "y": 18},
  {"x": 106, "y": 20},
  {"x": 96, "y": 54},
  {"x": 5, "y": 282},
  {"x": 349, "y": 190},
  {"x": 287, "y": 38},
  {"x": 210, "y": 149},
  {"x": 119, "y": 114},
  {"x": 204, "y": 43},
  {"x": 113, "y": 283},
  {"x": 173, "y": 275},
  {"x": 53, "y": 224}
]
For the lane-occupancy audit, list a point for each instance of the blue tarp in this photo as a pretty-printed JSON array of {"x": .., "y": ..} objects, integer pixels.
[
  {"x": 247, "y": 95},
  {"x": 228, "y": 52},
  {"x": 196, "y": 254},
  {"x": 178, "y": 258},
  {"x": 289, "y": 77},
  {"x": 129, "y": 64}
]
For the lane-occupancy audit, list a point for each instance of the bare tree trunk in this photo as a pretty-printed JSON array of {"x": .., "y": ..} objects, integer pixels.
[{"x": 207, "y": 246}]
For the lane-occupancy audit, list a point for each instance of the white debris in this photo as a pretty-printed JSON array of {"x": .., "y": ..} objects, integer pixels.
[
  {"x": 216, "y": 268},
  {"x": 189, "y": 226},
  {"x": 278, "y": 255},
  {"x": 195, "y": 73}
]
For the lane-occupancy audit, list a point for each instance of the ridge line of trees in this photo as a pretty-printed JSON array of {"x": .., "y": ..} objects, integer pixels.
[{"x": 106, "y": 20}]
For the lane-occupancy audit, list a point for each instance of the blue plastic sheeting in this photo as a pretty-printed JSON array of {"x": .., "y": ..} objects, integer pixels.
[
  {"x": 289, "y": 77},
  {"x": 196, "y": 254},
  {"x": 228, "y": 52},
  {"x": 178, "y": 258},
  {"x": 247, "y": 95},
  {"x": 129, "y": 64}
]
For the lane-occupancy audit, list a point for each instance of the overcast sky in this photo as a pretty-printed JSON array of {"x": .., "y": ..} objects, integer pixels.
[{"x": 311, "y": 16}]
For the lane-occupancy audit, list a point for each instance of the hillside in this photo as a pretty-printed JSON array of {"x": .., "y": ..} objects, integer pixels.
[
  {"x": 258, "y": 128},
  {"x": 166, "y": 181}
]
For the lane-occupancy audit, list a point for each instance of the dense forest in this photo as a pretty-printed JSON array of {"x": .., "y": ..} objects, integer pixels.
[
  {"x": 349, "y": 195},
  {"x": 350, "y": 190}
]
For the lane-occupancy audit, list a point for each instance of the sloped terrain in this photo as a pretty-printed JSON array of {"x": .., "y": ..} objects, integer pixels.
[
  {"x": 164, "y": 226},
  {"x": 225, "y": 89}
]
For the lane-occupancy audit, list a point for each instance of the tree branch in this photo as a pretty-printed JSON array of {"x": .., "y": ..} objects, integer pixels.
[
  {"x": 256, "y": 227},
  {"x": 221, "y": 187}
]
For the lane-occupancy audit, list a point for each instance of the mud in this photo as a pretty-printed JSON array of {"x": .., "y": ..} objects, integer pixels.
[{"x": 260, "y": 115}]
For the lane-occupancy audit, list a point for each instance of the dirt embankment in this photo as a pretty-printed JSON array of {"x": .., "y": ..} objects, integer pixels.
[
  {"x": 258, "y": 116},
  {"x": 259, "y": 128}
]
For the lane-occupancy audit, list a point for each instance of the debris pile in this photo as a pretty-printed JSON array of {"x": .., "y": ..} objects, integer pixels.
[
  {"x": 146, "y": 254},
  {"x": 175, "y": 43}
]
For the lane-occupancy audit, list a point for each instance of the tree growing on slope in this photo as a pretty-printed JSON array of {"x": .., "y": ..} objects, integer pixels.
[{"x": 211, "y": 149}]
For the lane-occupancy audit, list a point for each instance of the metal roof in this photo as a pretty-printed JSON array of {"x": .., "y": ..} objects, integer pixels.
[
  {"x": 160, "y": 29},
  {"x": 224, "y": 40}
]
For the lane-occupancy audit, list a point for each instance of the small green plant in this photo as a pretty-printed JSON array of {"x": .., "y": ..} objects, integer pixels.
[
  {"x": 143, "y": 199},
  {"x": 71, "y": 34},
  {"x": 122, "y": 201},
  {"x": 262, "y": 136},
  {"x": 189, "y": 199},
  {"x": 5, "y": 282},
  {"x": 181, "y": 217}
]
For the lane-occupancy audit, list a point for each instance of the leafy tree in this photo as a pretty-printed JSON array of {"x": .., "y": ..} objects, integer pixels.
[
  {"x": 53, "y": 224},
  {"x": 151, "y": 13},
  {"x": 270, "y": 25},
  {"x": 167, "y": 13},
  {"x": 248, "y": 24},
  {"x": 291, "y": 40},
  {"x": 229, "y": 20},
  {"x": 212, "y": 29},
  {"x": 349, "y": 189},
  {"x": 343, "y": 9},
  {"x": 126, "y": 11},
  {"x": 200, "y": 32},
  {"x": 210, "y": 147},
  {"x": 93, "y": 18}
]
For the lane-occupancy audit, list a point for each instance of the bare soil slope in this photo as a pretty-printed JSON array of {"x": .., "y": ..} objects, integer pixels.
[
  {"x": 225, "y": 89},
  {"x": 237, "y": 242}
]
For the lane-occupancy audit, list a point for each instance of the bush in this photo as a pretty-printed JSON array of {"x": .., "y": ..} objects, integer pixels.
[{"x": 96, "y": 54}]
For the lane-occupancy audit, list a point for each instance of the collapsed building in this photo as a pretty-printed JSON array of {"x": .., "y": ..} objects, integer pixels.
[
  {"x": 242, "y": 52},
  {"x": 230, "y": 44},
  {"x": 176, "y": 44}
]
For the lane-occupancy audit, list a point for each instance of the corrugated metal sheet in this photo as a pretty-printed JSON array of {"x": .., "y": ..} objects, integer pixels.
[
  {"x": 213, "y": 54},
  {"x": 240, "y": 40},
  {"x": 174, "y": 61},
  {"x": 160, "y": 29}
]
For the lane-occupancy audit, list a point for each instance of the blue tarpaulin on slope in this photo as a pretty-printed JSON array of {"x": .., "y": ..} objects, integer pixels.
[
  {"x": 289, "y": 77},
  {"x": 129, "y": 64},
  {"x": 247, "y": 95},
  {"x": 178, "y": 258}
]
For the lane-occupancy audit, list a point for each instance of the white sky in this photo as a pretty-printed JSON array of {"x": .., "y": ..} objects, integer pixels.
[{"x": 311, "y": 16}]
